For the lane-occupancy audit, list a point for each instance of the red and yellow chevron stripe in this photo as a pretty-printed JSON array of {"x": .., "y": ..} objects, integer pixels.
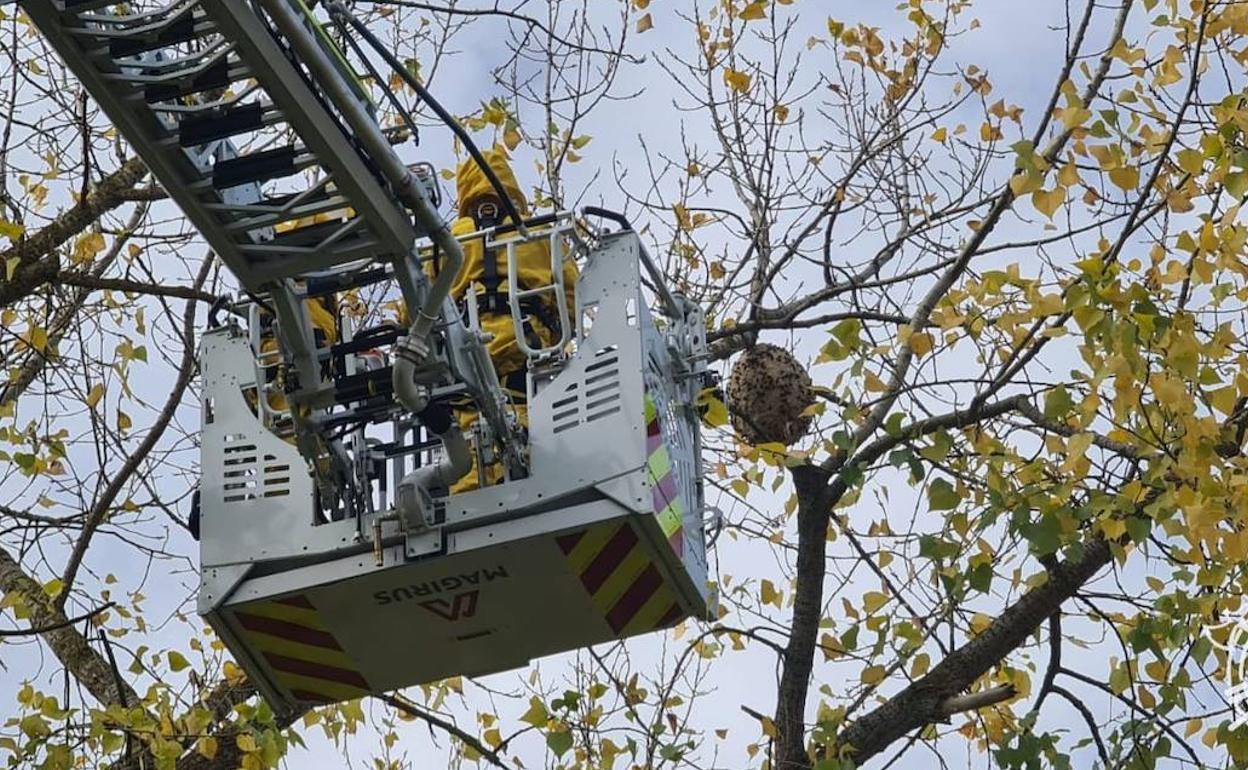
[
  {"x": 624, "y": 584},
  {"x": 304, "y": 656},
  {"x": 662, "y": 476}
]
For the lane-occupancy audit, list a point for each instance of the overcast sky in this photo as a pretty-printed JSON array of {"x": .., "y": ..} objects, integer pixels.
[{"x": 1015, "y": 44}]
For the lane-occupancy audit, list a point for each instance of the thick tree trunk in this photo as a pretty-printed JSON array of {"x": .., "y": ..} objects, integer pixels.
[{"x": 812, "y": 545}]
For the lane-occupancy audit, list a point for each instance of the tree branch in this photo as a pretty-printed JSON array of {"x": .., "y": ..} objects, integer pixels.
[
  {"x": 89, "y": 281},
  {"x": 923, "y": 701},
  {"x": 37, "y": 263}
]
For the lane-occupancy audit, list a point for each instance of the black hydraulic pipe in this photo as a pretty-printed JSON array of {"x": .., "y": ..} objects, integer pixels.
[{"x": 340, "y": 13}]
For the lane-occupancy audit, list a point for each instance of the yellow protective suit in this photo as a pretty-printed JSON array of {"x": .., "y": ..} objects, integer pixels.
[
  {"x": 533, "y": 270},
  {"x": 325, "y": 331}
]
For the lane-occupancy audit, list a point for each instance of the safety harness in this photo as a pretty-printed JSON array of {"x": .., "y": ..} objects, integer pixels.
[{"x": 494, "y": 301}]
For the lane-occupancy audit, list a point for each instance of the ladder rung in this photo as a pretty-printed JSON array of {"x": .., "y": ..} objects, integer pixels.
[
  {"x": 324, "y": 285},
  {"x": 86, "y": 6},
  {"x": 181, "y": 30},
  {"x": 202, "y": 129},
  {"x": 256, "y": 167},
  {"x": 270, "y": 219},
  {"x": 216, "y": 75},
  {"x": 308, "y": 235}
]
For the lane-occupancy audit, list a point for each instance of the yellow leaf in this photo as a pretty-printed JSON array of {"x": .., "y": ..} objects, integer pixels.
[
  {"x": 1113, "y": 528},
  {"x": 1126, "y": 177},
  {"x": 1068, "y": 176},
  {"x": 1193, "y": 727},
  {"x": 87, "y": 246},
  {"x": 874, "y": 383},
  {"x": 537, "y": 715},
  {"x": 11, "y": 230},
  {"x": 921, "y": 343},
  {"x": 245, "y": 742},
  {"x": 1223, "y": 399},
  {"x": 980, "y": 623},
  {"x": 1047, "y": 202},
  {"x": 645, "y": 22},
  {"x": 1192, "y": 161},
  {"x": 1157, "y": 669},
  {"x": 233, "y": 673},
  {"x": 940, "y": 135},
  {"x": 207, "y": 747},
  {"x": 769, "y": 594},
  {"x": 873, "y": 674},
  {"x": 737, "y": 81},
  {"x": 511, "y": 138},
  {"x": 1208, "y": 237},
  {"x": 922, "y": 662},
  {"x": 831, "y": 647},
  {"x": 755, "y": 10},
  {"x": 93, "y": 398},
  {"x": 873, "y": 601}
]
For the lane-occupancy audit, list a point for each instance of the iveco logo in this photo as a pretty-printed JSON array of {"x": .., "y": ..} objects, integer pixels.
[{"x": 460, "y": 606}]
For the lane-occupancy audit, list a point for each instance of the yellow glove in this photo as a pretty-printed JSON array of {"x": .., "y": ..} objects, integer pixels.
[{"x": 711, "y": 407}]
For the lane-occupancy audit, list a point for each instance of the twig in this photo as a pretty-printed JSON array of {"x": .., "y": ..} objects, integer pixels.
[
  {"x": 88, "y": 281},
  {"x": 411, "y": 709},
  {"x": 56, "y": 626}
]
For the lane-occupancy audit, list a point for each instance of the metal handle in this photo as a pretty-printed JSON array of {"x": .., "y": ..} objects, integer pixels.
[{"x": 556, "y": 287}]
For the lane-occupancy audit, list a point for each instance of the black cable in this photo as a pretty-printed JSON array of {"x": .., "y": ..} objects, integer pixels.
[
  {"x": 217, "y": 306},
  {"x": 614, "y": 216},
  {"x": 339, "y": 12},
  {"x": 256, "y": 299},
  {"x": 376, "y": 76}
]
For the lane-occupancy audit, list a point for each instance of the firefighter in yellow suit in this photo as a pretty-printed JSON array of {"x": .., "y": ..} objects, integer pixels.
[
  {"x": 324, "y": 330},
  {"x": 480, "y": 209}
]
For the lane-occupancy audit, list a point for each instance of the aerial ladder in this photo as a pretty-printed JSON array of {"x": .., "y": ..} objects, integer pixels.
[{"x": 334, "y": 563}]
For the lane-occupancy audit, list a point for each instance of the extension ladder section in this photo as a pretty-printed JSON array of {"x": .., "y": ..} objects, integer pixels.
[{"x": 283, "y": 188}]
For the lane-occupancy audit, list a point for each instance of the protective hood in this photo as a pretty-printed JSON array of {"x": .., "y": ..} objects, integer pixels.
[{"x": 472, "y": 184}]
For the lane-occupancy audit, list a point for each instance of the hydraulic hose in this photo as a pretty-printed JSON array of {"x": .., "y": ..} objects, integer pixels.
[
  {"x": 366, "y": 130},
  {"x": 341, "y": 14},
  {"x": 456, "y": 461}
]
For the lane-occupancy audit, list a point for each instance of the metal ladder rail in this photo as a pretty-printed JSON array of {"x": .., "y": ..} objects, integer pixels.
[
  {"x": 125, "y": 89},
  {"x": 110, "y": 55}
]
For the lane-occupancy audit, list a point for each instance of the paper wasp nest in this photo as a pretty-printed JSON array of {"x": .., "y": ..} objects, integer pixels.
[{"x": 767, "y": 393}]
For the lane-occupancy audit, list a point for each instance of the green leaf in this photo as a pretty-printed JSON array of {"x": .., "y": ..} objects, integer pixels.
[
  {"x": 848, "y": 333},
  {"x": 1057, "y": 403},
  {"x": 559, "y": 742},
  {"x": 54, "y": 587},
  {"x": 537, "y": 714},
  {"x": 1237, "y": 183},
  {"x": 176, "y": 661},
  {"x": 941, "y": 496},
  {"x": 980, "y": 577}
]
